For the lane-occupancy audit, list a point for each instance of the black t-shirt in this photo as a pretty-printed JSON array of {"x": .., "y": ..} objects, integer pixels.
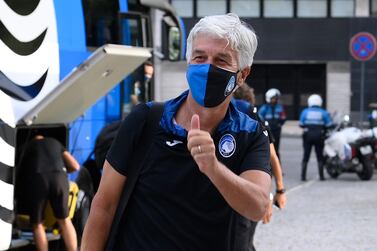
[
  {"x": 42, "y": 156},
  {"x": 174, "y": 206}
]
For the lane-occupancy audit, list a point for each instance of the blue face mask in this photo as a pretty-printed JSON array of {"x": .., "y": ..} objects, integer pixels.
[{"x": 210, "y": 85}]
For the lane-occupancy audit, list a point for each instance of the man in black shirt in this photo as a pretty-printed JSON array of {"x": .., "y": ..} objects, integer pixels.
[
  {"x": 44, "y": 165},
  {"x": 206, "y": 159}
]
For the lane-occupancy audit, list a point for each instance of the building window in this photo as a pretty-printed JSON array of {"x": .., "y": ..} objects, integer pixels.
[
  {"x": 245, "y": 8},
  {"x": 278, "y": 8},
  {"x": 342, "y": 8},
  {"x": 211, "y": 7},
  {"x": 374, "y": 8},
  {"x": 311, "y": 8},
  {"x": 184, "y": 7}
]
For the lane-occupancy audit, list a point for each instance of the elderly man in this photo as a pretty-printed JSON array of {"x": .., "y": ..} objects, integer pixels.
[{"x": 207, "y": 159}]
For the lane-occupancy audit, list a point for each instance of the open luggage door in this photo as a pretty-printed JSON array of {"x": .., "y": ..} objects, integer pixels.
[
  {"x": 79, "y": 90},
  {"x": 86, "y": 84}
]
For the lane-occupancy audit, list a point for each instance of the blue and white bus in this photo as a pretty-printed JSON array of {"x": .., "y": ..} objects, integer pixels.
[{"x": 69, "y": 68}]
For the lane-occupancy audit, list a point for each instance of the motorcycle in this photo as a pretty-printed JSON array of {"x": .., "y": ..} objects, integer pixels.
[
  {"x": 349, "y": 150},
  {"x": 371, "y": 139}
]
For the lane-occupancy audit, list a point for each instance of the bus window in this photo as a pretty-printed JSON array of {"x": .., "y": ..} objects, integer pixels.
[
  {"x": 134, "y": 29},
  {"x": 101, "y": 22}
]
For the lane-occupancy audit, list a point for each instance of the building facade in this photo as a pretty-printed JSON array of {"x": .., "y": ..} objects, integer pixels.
[{"x": 303, "y": 48}]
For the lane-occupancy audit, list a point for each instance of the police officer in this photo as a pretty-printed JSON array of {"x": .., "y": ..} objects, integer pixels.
[
  {"x": 315, "y": 121},
  {"x": 274, "y": 114}
]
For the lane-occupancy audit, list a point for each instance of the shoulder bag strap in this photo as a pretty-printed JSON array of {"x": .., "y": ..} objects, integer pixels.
[{"x": 142, "y": 150}]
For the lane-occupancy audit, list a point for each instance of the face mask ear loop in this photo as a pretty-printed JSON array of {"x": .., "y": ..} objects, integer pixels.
[{"x": 235, "y": 88}]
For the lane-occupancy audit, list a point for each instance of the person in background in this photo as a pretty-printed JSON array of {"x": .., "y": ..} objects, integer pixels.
[
  {"x": 141, "y": 86},
  {"x": 136, "y": 97},
  {"x": 372, "y": 115},
  {"x": 148, "y": 74},
  {"x": 45, "y": 164},
  {"x": 315, "y": 121},
  {"x": 205, "y": 162},
  {"x": 274, "y": 114},
  {"x": 245, "y": 102}
]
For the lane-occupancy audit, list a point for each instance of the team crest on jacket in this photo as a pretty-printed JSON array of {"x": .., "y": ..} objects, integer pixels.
[{"x": 227, "y": 145}]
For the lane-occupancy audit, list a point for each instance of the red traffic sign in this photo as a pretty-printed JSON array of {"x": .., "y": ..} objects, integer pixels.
[{"x": 363, "y": 46}]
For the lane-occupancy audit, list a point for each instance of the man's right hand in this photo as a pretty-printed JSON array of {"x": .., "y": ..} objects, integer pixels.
[{"x": 201, "y": 146}]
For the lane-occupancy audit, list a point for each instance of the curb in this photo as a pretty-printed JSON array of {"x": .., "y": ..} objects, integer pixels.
[{"x": 291, "y": 135}]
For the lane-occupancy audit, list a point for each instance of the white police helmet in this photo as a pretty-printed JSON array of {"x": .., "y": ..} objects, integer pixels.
[
  {"x": 314, "y": 100},
  {"x": 272, "y": 93}
]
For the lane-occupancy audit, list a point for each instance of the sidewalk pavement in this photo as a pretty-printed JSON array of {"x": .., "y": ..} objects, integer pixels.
[
  {"x": 291, "y": 129},
  {"x": 338, "y": 214}
]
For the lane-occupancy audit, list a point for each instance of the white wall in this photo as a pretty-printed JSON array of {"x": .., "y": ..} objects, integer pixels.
[
  {"x": 170, "y": 80},
  {"x": 169, "y": 77},
  {"x": 338, "y": 87}
]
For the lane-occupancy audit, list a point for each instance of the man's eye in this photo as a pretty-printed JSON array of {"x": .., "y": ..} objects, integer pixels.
[
  {"x": 222, "y": 61},
  {"x": 199, "y": 59}
]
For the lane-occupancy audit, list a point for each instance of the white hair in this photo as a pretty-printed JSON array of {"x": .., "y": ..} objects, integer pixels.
[{"x": 240, "y": 36}]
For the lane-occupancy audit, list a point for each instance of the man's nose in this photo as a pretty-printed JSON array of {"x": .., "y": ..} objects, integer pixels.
[{"x": 210, "y": 60}]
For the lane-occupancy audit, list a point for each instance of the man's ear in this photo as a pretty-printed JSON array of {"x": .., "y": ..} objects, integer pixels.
[{"x": 242, "y": 77}]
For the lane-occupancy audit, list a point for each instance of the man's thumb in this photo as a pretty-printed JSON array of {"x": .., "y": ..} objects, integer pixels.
[{"x": 195, "y": 122}]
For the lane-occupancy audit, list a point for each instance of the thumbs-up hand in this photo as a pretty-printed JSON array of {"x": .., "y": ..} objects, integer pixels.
[
  {"x": 195, "y": 122},
  {"x": 201, "y": 146}
]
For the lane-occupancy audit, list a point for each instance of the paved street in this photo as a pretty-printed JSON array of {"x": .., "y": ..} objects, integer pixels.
[{"x": 332, "y": 215}]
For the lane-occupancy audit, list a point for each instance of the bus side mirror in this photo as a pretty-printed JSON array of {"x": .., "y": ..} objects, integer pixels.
[
  {"x": 174, "y": 44},
  {"x": 171, "y": 39}
]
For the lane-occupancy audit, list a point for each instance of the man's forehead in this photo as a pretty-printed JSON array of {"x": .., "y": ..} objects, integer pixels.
[
  {"x": 221, "y": 53},
  {"x": 203, "y": 44}
]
